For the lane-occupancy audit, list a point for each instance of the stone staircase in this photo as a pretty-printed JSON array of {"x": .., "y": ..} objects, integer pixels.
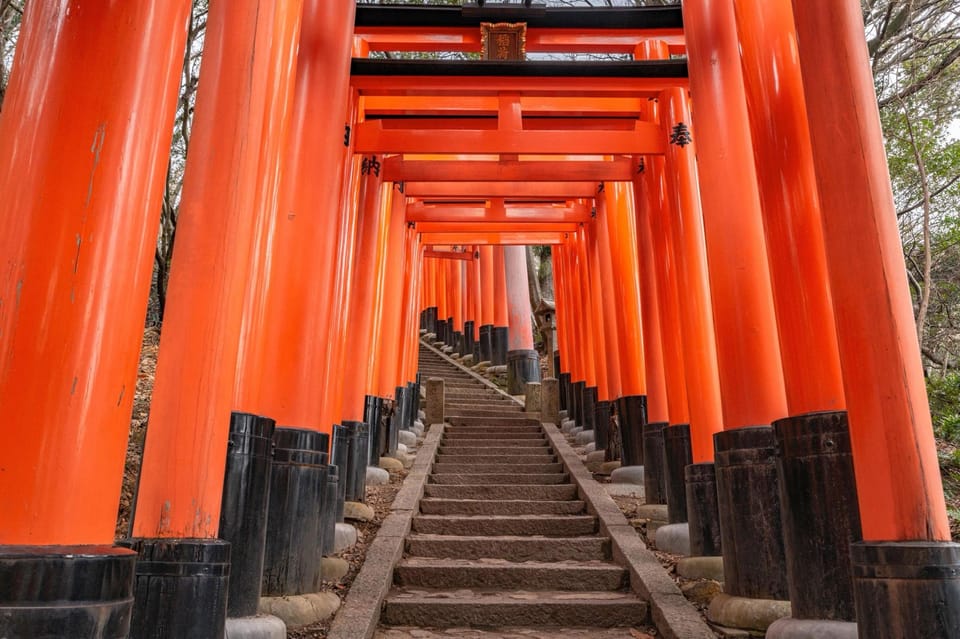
[{"x": 502, "y": 544}]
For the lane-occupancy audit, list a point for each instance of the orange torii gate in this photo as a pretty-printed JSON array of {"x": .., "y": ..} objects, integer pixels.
[{"x": 700, "y": 201}]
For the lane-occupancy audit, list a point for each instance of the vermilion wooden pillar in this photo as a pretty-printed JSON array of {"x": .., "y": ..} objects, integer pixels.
[
  {"x": 390, "y": 340},
  {"x": 695, "y": 301},
  {"x": 476, "y": 303},
  {"x": 455, "y": 284},
  {"x": 84, "y": 133},
  {"x": 602, "y": 285},
  {"x": 895, "y": 458},
  {"x": 501, "y": 322},
  {"x": 594, "y": 317},
  {"x": 299, "y": 316},
  {"x": 523, "y": 362},
  {"x": 632, "y": 402},
  {"x": 485, "y": 333},
  {"x": 748, "y": 349},
  {"x": 358, "y": 326}
]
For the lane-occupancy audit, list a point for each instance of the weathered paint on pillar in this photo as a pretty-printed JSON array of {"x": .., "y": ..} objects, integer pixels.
[
  {"x": 601, "y": 265},
  {"x": 193, "y": 392},
  {"x": 518, "y": 298},
  {"x": 895, "y": 457},
  {"x": 305, "y": 241},
  {"x": 595, "y": 312},
  {"x": 791, "y": 205},
  {"x": 695, "y": 305},
  {"x": 748, "y": 348},
  {"x": 622, "y": 231},
  {"x": 500, "y": 305},
  {"x": 358, "y": 325},
  {"x": 286, "y": 32},
  {"x": 585, "y": 337},
  {"x": 84, "y": 135},
  {"x": 388, "y": 342},
  {"x": 486, "y": 286}
]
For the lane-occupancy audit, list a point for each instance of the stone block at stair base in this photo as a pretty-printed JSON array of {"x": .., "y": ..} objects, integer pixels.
[
  {"x": 259, "y": 627},
  {"x": 408, "y": 438},
  {"x": 591, "y": 447},
  {"x": 594, "y": 461},
  {"x": 391, "y": 465},
  {"x": 585, "y": 437},
  {"x": 402, "y": 449},
  {"x": 334, "y": 568},
  {"x": 653, "y": 512},
  {"x": 377, "y": 476},
  {"x": 627, "y": 475},
  {"x": 421, "y": 415},
  {"x": 674, "y": 539},
  {"x": 418, "y": 427},
  {"x": 790, "y": 628},
  {"x": 567, "y": 425},
  {"x": 609, "y": 467},
  {"x": 624, "y": 490},
  {"x": 750, "y": 614},
  {"x": 344, "y": 537},
  {"x": 356, "y": 510},
  {"x": 701, "y": 568},
  {"x": 301, "y": 610}
]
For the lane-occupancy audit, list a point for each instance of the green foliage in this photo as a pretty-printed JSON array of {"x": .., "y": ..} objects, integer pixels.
[{"x": 944, "y": 393}]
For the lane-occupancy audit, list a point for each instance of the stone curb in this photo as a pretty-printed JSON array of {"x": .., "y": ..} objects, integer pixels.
[
  {"x": 360, "y": 614},
  {"x": 674, "y": 616},
  {"x": 474, "y": 374}
]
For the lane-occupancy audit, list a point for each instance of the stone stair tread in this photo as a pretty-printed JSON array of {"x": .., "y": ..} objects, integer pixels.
[
  {"x": 505, "y": 575},
  {"x": 517, "y": 479},
  {"x": 495, "y": 492},
  {"x": 496, "y": 562},
  {"x": 441, "y": 467},
  {"x": 518, "y": 632}
]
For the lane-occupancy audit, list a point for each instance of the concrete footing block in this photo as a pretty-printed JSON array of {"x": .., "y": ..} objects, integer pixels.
[
  {"x": 674, "y": 539},
  {"x": 625, "y": 490},
  {"x": 567, "y": 425},
  {"x": 609, "y": 467},
  {"x": 344, "y": 537},
  {"x": 627, "y": 475},
  {"x": 391, "y": 464},
  {"x": 421, "y": 416},
  {"x": 741, "y": 612},
  {"x": 401, "y": 448},
  {"x": 377, "y": 476},
  {"x": 334, "y": 568},
  {"x": 590, "y": 448},
  {"x": 594, "y": 460},
  {"x": 653, "y": 512},
  {"x": 701, "y": 568},
  {"x": 408, "y": 438},
  {"x": 585, "y": 437},
  {"x": 357, "y": 511},
  {"x": 790, "y": 628},
  {"x": 301, "y": 610},
  {"x": 259, "y": 627}
]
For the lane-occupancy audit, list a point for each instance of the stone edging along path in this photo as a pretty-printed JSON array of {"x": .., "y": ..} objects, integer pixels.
[{"x": 673, "y": 615}]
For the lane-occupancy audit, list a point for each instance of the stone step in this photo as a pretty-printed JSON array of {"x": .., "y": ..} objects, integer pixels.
[
  {"x": 543, "y": 608},
  {"x": 457, "y": 449},
  {"x": 504, "y": 442},
  {"x": 505, "y": 632},
  {"x": 550, "y": 525},
  {"x": 488, "y": 421},
  {"x": 448, "y": 458},
  {"x": 432, "y": 506},
  {"x": 523, "y": 469},
  {"x": 510, "y": 547},
  {"x": 458, "y": 411},
  {"x": 555, "y": 492},
  {"x": 500, "y": 574},
  {"x": 512, "y": 478},
  {"x": 475, "y": 433}
]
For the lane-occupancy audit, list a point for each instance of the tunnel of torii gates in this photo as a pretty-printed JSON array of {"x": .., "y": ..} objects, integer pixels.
[{"x": 725, "y": 252}]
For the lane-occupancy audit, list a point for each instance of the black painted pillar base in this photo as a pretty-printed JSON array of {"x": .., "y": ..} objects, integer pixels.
[
  {"x": 450, "y": 337},
  {"x": 590, "y": 407},
  {"x": 522, "y": 366},
  {"x": 577, "y": 397},
  {"x": 331, "y": 511},
  {"x": 441, "y": 331},
  {"x": 486, "y": 343},
  {"x": 298, "y": 483},
  {"x": 459, "y": 343},
  {"x": 603, "y": 413},
  {"x": 907, "y": 589},
  {"x": 500, "y": 340},
  {"x": 413, "y": 403},
  {"x": 469, "y": 340},
  {"x": 68, "y": 592},
  {"x": 654, "y": 473},
  {"x": 632, "y": 412},
  {"x": 180, "y": 589},
  {"x": 754, "y": 559},
  {"x": 564, "y": 379},
  {"x": 702, "y": 510},
  {"x": 423, "y": 320},
  {"x": 357, "y": 457},
  {"x": 432, "y": 320},
  {"x": 556, "y": 364},
  {"x": 397, "y": 418},
  {"x": 340, "y": 457},
  {"x": 377, "y": 437},
  {"x": 243, "y": 510},
  {"x": 820, "y": 513},
  {"x": 677, "y": 455}
]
